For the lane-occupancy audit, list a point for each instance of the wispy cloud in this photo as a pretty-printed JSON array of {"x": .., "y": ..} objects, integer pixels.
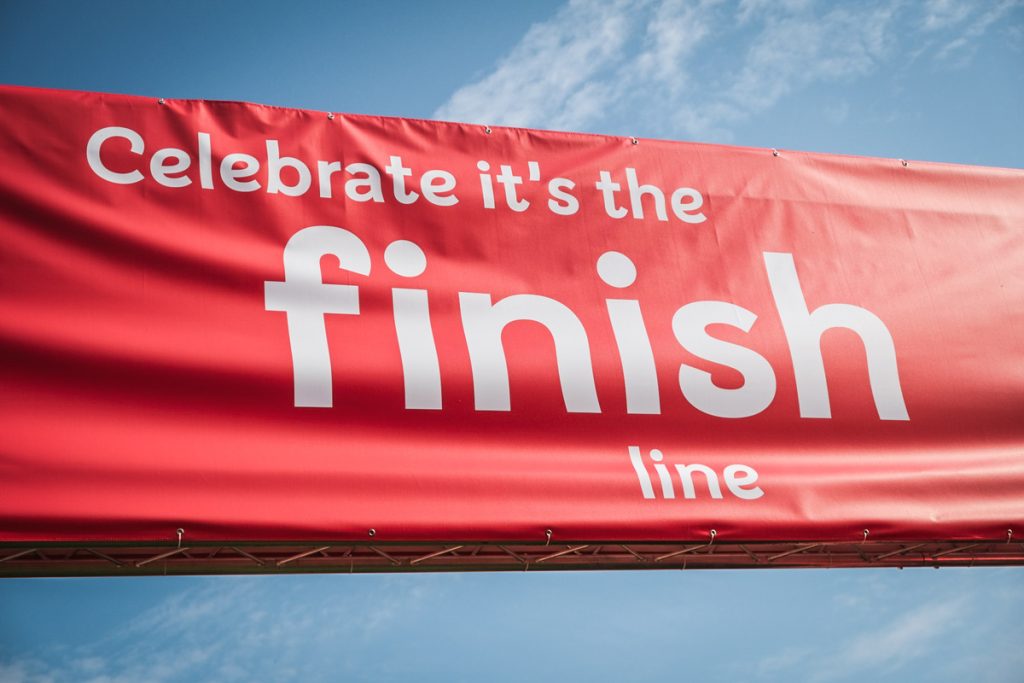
[
  {"x": 941, "y": 14},
  {"x": 983, "y": 17},
  {"x": 946, "y": 626},
  {"x": 569, "y": 71},
  {"x": 892, "y": 645},
  {"x": 885, "y": 647},
  {"x": 900, "y": 631},
  {"x": 551, "y": 75},
  {"x": 698, "y": 68},
  {"x": 779, "y": 662},
  {"x": 230, "y": 630}
]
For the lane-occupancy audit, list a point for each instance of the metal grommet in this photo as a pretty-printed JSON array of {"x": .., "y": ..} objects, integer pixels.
[
  {"x": 634, "y": 141},
  {"x": 775, "y": 152},
  {"x": 161, "y": 101},
  {"x": 487, "y": 129},
  {"x": 330, "y": 116},
  {"x": 372, "y": 532},
  {"x": 904, "y": 162}
]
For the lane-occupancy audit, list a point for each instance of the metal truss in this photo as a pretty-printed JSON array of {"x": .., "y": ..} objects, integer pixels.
[{"x": 126, "y": 559}]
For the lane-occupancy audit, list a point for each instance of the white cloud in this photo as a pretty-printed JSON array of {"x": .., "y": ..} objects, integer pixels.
[
  {"x": 697, "y": 68},
  {"x": 223, "y": 631},
  {"x": 794, "y": 51},
  {"x": 774, "y": 664},
  {"x": 940, "y": 14},
  {"x": 751, "y": 8},
  {"x": 550, "y": 70},
  {"x": 904, "y": 639},
  {"x": 569, "y": 71},
  {"x": 965, "y": 44},
  {"x": 24, "y": 672},
  {"x": 886, "y": 647}
]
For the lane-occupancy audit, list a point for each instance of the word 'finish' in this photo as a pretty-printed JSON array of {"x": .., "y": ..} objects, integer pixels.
[{"x": 306, "y": 299}]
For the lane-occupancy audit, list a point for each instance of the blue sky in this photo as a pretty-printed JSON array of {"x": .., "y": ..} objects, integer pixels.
[{"x": 939, "y": 80}]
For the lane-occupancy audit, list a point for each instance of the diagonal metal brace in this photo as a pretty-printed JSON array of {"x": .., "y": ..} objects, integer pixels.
[
  {"x": 957, "y": 550},
  {"x": 519, "y": 558},
  {"x": 900, "y": 551},
  {"x": 249, "y": 555},
  {"x": 21, "y": 554},
  {"x": 161, "y": 556},
  {"x": 571, "y": 549},
  {"x": 634, "y": 553},
  {"x": 439, "y": 553},
  {"x": 387, "y": 557},
  {"x": 794, "y": 551},
  {"x": 314, "y": 551},
  {"x": 104, "y": 556},
  {"x": 676, "y": 553}
]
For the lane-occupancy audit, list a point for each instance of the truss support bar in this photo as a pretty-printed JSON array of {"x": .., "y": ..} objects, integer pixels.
[
  {"x": 900, "y": 551},
  {"x": 751, "y": 555},
  {"x": 387, "y": 557},
  {"x": 572, "y": 549},
  {"x": 667, "y": 556},
  {"x": 794, "y": 551},
  {"x": 102, "y": 556},
  {"x": 956, "y": 550},
  {"x": 634, "y": 553},
  {"x": 15, "y": 556},
  {"x": 314, "y": 551},
  {"x": 161, "y": 556},
  {"x": 518, "y": 558},
  {"x": 326, "y": 555},
  {"x": 249, "y": 555},
  {"x": 439, "y": 553}
]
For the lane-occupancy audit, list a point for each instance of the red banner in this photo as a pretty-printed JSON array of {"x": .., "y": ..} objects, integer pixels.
[{"x": 257, "y": 323}]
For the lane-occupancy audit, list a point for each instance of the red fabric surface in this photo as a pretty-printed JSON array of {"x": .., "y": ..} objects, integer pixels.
[{"x": 146, "y": 386}]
